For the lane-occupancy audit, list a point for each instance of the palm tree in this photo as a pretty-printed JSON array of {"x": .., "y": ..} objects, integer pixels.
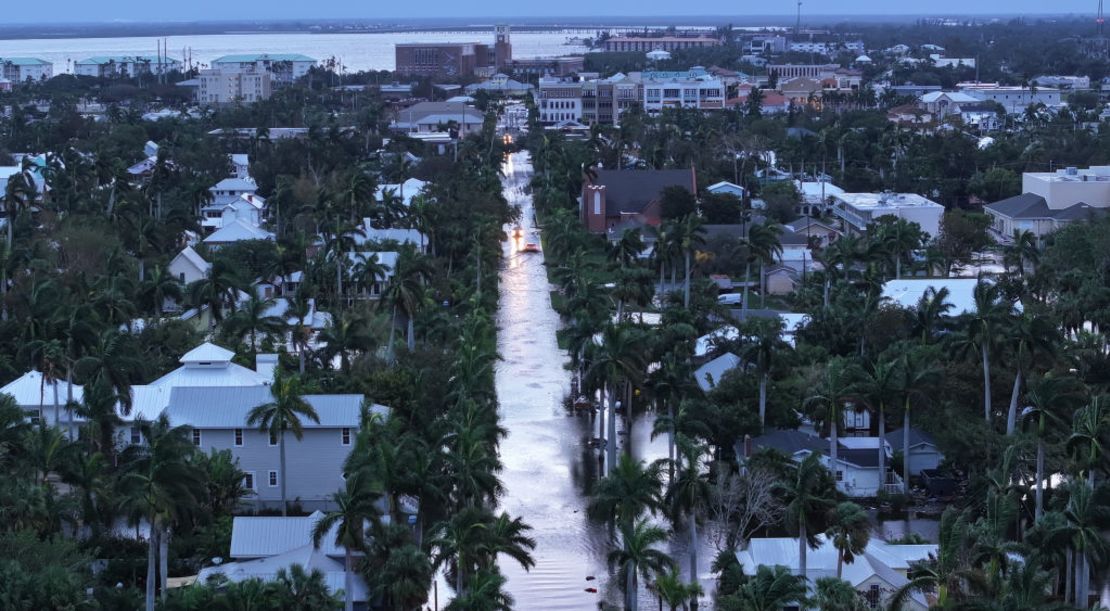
[
  {"x": 689, "y": 234},
  {"x": 638, "y": 557},
  {"x": 1089, "y": 428},
  {"x": 930, "y": 317},
  {"x": 484, "y": 592},
  {"x": 405, "y": 577},
  {"x": 850, "y": 531},
  {"x": 673, "y": 591},
  {"x": 631, "y": 488},
  {"x": 1033, "y": 339},
  {"x": 833, "y": 390},
  {"x": 983, "y": 328},
  {"x": 460, "y": 540},
  {"x": 283, "y": 414},
  {"x": 772, "y": 589},
  {"x": 506, "y": 535},
  {"x": 1022, "y": 249},
  {"x": 762, "y": 350},
  {"x": 835, "y": 594},
  {"x": 946, "y": 573},
  {"x": 919, "y": 376},
  {"x": 306, "y": 591},
  {"x": 355, "y": 508},
  {"x": 255, "y": 319},
  {"x": 159, "y": 286},
  {"x": 88, "y": 474},
  {"x": 879, "y": 385},
  {"x": 1086, "y": 517},
  {"x": 808, "y": 495},
  {"x": 1048, "y": 399},
  {"x": 689, "y": 495},
  {"x": 160, "y": 485},
  {"x": 762, "y": 245},
  {"x": 112, "y": 363},
  {"x": 405, "y": 293},
  {"x": 619, "y": 358},
  {"x": 347, "y": 333},
  {"x": 219, "y": 290}
]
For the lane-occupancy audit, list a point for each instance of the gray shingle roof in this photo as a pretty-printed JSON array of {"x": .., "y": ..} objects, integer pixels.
[
  {"x": 227, "y": 407},
  {"x": 1026, "y": 205},
  {"x": 630, "y": 191},
  {"x": 917, "y": 437}
]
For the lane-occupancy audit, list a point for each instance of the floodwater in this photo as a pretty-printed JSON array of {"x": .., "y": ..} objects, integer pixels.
[
  {"x": 355, "y": 52},
  {"x": 549, "y": 468}
]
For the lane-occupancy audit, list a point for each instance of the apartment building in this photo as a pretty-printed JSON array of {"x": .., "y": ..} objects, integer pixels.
[
  {"x": 1014, "y": 99},
  {"x": 694, "y": 88},
  {"x": 561, "y": 100},
  {"x": 106, "y": 66},
  {"x": 858, "y": 210},
  {"x": 283, "y": 68},
  {"x": 665, "y": 43},
  {"x": 22, "y": 69},
  {"x": 221, "y": 87},
  {"x": 813, "y": 71}
]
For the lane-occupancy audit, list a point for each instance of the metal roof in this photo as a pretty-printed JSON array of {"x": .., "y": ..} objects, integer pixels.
[
  {"x": 28, "y": 390},
  {"x": 207, "y": 352},
  {"x": 24, "y": 61},
  {"x": 238, "y": 231},
  {"x": 227, "y": 407},
  {"x": 127, "y": 59},
  {"x": 262, "y": 57},
  {"x": 710, "y": 374}
]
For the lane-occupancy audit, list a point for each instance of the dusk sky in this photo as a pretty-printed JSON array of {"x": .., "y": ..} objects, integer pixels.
[{"x": 70, "y": 11}]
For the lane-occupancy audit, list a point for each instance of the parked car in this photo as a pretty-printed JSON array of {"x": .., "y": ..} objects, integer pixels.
[
  {"x": 531, "y": 247},
  {"x": 730, "y": 299}
]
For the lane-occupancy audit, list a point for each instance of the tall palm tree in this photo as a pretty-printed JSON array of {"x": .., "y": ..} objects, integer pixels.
[
  {"x": 832, "y": 391},
  {"x": 355, "y": 509},
  {"x": 673, "y": 591},
  {"x": 405, "y": 293},
  {"x": 761, "y": 350},
  {"x": 946, "y": 573},
  {"x": 160, "y": 485},
  {"x": 405, "y": 577},
  {"x": 763, "y": 246},
  {"x": 983, "y": 329},
  {"x": 850, "y": 531},
  {"x": 1049, "y": 398},
  {"x": 283, "y": 414},
  {"x": 111, "y": 362},
  {"x": 254, "y": 319},
  {"x": 835, "y": 594},
  {"x": 484, "y": 592},
  {"x": 460, "y": 539},
  {"x": 630, "y": 489},
  {"x": 159, "y": 286},
  {"x": 637, "y": 557},
  {"x": 1033, "y": 339},
  {"x": 688, "y": 495},
  {"x": 930, "y": 317},
  {"x": 619, "y": 358},
  {"x": 219, "y": 290},
  {"x": 689, "y": 234},
  {"x": 808, "y": 495},
  {"x": 1086, "y": 517},
  {"x": 878, "y": 385},
  {"x": 349, "y": 332},
  {"x": 919, "y": 376}
]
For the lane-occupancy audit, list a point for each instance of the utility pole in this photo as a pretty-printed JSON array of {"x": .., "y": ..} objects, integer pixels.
[{"x": 798, "y": 23}]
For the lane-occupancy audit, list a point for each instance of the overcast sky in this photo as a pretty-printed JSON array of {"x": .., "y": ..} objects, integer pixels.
[{"x": 70, "y": 11}]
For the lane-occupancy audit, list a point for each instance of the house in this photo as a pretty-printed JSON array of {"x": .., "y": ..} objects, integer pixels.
[
  {"x": 797, "y": 250},
  {"x": 237, "y": 231},
  {"x": 857, "y": 459},
  {"x": 781, "y": 280},
  {"x": 802, "y": 91},
  {"x": 611, "y": 196},
  {"x": 263, "y": 545},
  {"x": 907, "y": 292},
  {"x": 233, "y": 187},
  {"x": 188, "y": 266},
  {"x": 431, "y": 117},
  {"x": 859, "y": 210},
  {"x": 1013, "y": 99},
  {"x": 218, "y": 417},
  {"x": 374, "y": 236},
  {"x": 405, "y": 191},
  {"x": 240, "y": 166},
  {"x": 248, "y": 208},
  {"x": 386, "y": 259},
  {"x": 941, "y": 104},
  {"x": 41, "y": 398},
  {"x": 924, "y": 453},
  {"x": 726, "y": 187},
  {"x": 877, "y": 573},
  {"x": 709, "y": 375},
  {"x": 909, "y": 115},
  {"x": 813, "y": 228},
  {"x": 500, "y": 84},
  {"x": 817, "y": 196},
  {"x": 1030, "y": 212},
  {"x": 129, "y": 66}
]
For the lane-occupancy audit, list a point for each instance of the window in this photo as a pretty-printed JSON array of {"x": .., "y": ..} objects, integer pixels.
[
  {"x": 181, "y": 276},
  {"x": 239, "y": 437},
  {"x": 273, "y": 479},
  {"x": 273, "y": 439},
  {"x": 136, "y": 436},
  {"x": 196, "y": 437},
  {"x": 872, "y": 597},
  {"x": 346, "y": 437},
  {"x": 839, "y": 475},
  {"x": 248, "y": 480}
]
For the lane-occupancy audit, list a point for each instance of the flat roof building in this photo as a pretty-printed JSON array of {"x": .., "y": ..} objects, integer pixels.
[
  {"x": 284, "y": 67},
  {"x": 666, "y": 43},
  {"x": 125, "y": 65},
  {"x": 1069, "y": 186},
  {"x": 858, "y": 210}
]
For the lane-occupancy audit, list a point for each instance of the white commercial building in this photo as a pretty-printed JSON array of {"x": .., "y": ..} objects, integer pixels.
[
  {"x": 125, "y": 65},
  {"x": 285, "y": 67},
  {"x": 22, "y": 69},
  {"x": 559, "y": 100},
  {"x": 1063, "y": 81},
  {"x": 1014, "y": 99},
  {"x": 694, "y": 88},
  {"x": 1069, "y": 186},
  {"x": 858, "y": 210},
  {"x": 221, "y": 87}
]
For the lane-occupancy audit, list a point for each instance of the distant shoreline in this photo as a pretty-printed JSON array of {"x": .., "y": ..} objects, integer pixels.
[{"x": 24, "y": 31}]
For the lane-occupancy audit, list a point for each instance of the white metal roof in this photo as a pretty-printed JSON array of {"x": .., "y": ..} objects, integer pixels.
[
  {"x": 710, "y": 374},
  {"x": 235, "y": 184},
  {"x": 207, "y": 352},
  {"x": 227, "y": 407},
  {"x": 238, "y": 231},
  {"x": 194, "y": 258},
  {"x": 907, "y": 292},
  {"x": 28, "y": 390}
]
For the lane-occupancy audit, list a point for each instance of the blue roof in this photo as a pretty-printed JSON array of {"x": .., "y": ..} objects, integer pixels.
[
  {"x": 128, "y": 59},
  {"x": 24, "y": 61},
  {"x": 262, "y": 57}
]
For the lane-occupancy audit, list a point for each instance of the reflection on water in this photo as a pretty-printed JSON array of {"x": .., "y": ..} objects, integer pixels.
[{"x": 548, "y": 467}]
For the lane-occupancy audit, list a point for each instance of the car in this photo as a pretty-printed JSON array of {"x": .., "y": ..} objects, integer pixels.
[
  {"x": 518, "y": 232},
  {"x": 730, "y": 299},
  {"x": 530, "y": 247}
]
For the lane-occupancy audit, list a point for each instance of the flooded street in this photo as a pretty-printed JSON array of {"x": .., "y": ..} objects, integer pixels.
[{"x": 548, "y": 467}]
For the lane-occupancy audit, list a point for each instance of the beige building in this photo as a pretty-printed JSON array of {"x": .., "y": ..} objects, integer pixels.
[
  {"x": 220, "y": 87},
  {"x": 1069, "y": 186}
]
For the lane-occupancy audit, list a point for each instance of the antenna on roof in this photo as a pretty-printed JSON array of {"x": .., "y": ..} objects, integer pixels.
[
  {"x": 798, "y": 23},
  {"x": 1099, "y": 21}
]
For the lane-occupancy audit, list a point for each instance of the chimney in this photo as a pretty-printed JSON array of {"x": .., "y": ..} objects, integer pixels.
[{"x": 265, "y": 364}]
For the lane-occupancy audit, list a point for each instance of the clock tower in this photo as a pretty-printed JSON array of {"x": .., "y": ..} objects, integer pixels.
[{"x": 502, "y": 48}]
